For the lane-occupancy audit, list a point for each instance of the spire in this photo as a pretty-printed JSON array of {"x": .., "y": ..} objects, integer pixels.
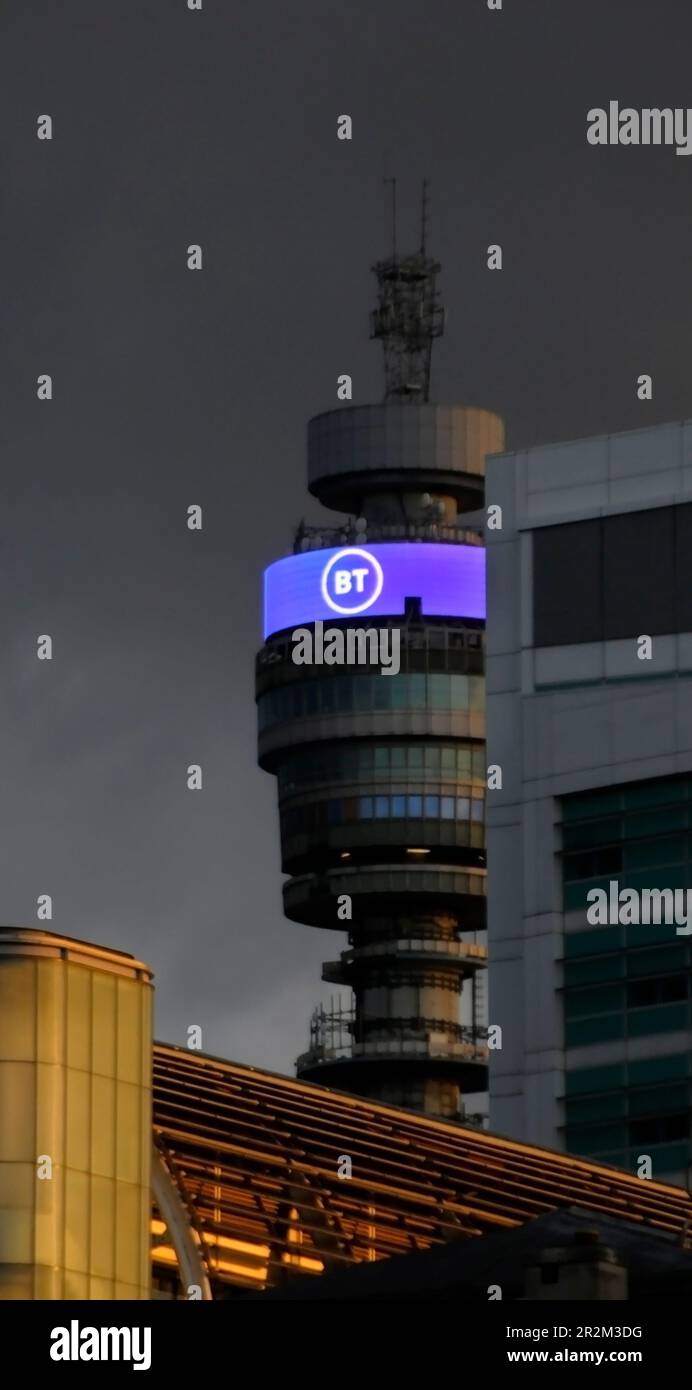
[{"x": 408, "y": 314}]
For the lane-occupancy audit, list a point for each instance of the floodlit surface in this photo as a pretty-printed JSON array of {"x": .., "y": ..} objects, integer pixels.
[{"x": 256, "y": 1156}]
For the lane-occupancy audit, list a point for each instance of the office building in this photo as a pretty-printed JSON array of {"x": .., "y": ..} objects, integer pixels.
[{"x": 590, "y": 719}]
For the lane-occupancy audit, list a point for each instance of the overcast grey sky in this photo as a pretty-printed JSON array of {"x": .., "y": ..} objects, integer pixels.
[{"x": 172, "y": 387}]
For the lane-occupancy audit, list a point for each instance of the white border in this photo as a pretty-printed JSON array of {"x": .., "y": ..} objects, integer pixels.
[{"x": 365, "y": 555}]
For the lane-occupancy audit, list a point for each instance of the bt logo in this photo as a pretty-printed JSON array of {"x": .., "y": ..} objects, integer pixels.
[{"x": 351, "y": 581}]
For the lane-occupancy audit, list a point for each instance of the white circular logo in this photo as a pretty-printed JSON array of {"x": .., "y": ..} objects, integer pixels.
[{"x": 345, "y": 576}]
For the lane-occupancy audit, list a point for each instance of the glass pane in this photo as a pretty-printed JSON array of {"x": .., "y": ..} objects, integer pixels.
[
  {"x": 667, "y": 849},
  {"x": 655, "y": 1069},
  {"x": 361, "y": 693},
  {"x": 654, "y": 822},
  {"x": 606, "y": 1028},
  {"x": 398, "y": 693},
  {"x": 589, "y": 1079},
  {"x": 655, "y": 793},
  {"x": 476, "y": 691},
  {"x": 666, "y": 1018},
  {"x": 594, "y": 942},
  {"x": 657, "y": 960},
  {"x": 592, "y": 863},
  {"x": 383, "y": 695},
  {"x": 436, "y": 692},
  {"x": 416, "y": 691},
  {"x": 415, "y": 806},
  {"x": 598, "y": 832},
  {"x": 585, "y": 1002},
  {"x": 580, "y": 972},
  {"x": 590, "y": 804},
  {"x": 447, "y": 807}
]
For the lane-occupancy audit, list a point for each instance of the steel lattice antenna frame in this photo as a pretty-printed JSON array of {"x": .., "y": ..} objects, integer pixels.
[{"x": 409, "y": 314}]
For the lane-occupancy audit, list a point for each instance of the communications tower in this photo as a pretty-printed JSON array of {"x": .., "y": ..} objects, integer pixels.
[{"x": 382, "y": 777}]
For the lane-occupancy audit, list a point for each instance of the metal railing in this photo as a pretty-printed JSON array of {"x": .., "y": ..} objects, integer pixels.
[
  {"x": 338, "y": 1034},
  {"x": 426, "y": 529}
]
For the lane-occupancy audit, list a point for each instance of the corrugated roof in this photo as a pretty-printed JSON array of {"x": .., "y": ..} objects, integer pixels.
[{"x": 256, "y": 1158}]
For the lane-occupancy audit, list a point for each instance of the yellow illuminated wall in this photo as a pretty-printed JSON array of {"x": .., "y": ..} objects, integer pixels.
[{"x": 75, "y": 1089}]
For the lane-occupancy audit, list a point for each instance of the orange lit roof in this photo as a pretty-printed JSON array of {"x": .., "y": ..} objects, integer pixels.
[{"x": 256, "y": 1160}]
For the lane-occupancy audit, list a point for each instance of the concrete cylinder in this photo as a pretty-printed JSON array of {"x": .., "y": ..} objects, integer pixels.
[{"x": 75, "y": 1119}]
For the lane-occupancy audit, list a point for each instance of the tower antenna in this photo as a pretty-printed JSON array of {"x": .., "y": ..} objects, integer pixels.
[
  {"x": 409, "y": 314},
  {"x": 424, "y": 216},
  {"x": 392, "y": 183}
]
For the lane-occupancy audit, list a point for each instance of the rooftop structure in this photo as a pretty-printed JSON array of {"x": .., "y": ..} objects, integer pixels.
[
  {"x": 256, "y": 1160},
  {"x": 198, "y": 1178}
]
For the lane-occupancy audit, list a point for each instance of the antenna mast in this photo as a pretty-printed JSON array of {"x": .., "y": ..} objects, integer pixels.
[{"x": 408, "y": 315}]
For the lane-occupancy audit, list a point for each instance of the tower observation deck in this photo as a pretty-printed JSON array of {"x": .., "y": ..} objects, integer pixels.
[{"x": 381, "y": 776}]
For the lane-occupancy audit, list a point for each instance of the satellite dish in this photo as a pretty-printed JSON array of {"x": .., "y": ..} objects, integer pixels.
[
  {"x": 425, "y": 499},
  {"x": 361, "y": 523}
]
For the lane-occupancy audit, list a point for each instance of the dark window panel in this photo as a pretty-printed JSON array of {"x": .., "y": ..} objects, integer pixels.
[
  {"x": 638, "y": 573},
  {"x": 614, "y": 577},
  {"x": 567, "y": 584},
  {"x": 683, "y": 568}
]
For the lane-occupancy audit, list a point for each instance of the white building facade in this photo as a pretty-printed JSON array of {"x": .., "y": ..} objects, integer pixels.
[{"x": 592, "y": 729}]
